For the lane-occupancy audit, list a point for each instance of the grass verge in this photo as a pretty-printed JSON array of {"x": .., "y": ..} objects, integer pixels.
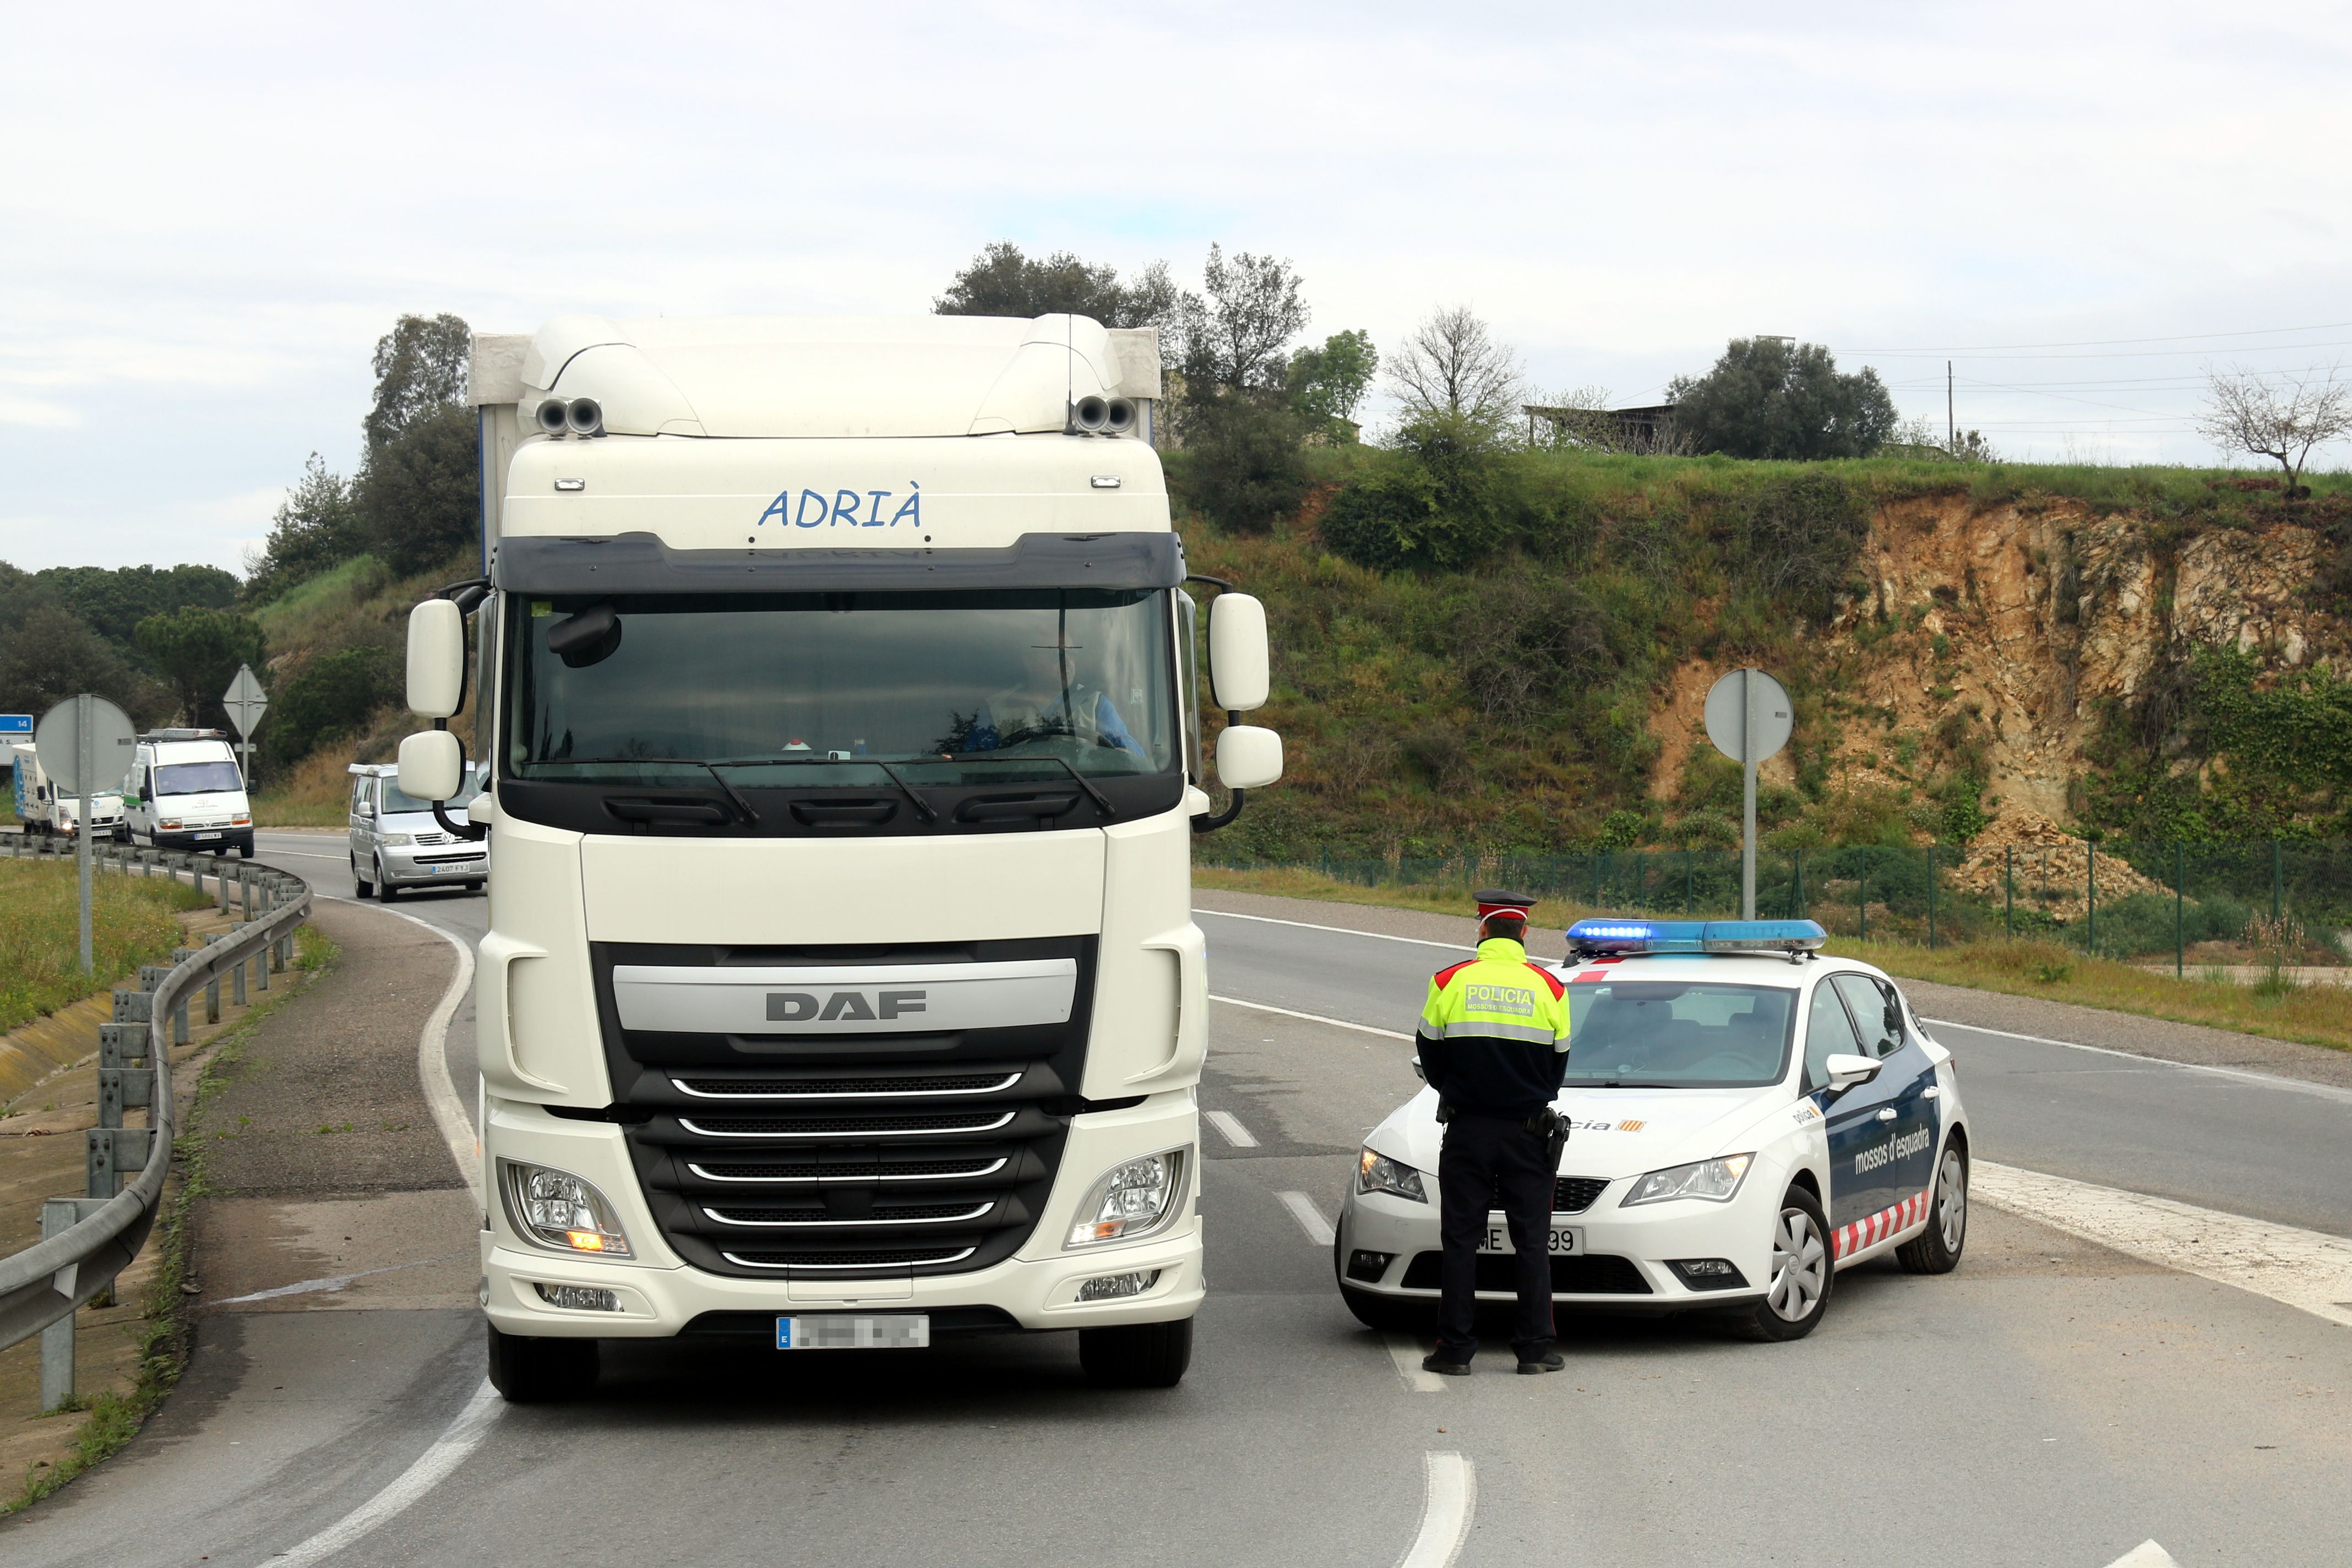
[
  {"x": 40, "y": 938},
  {"x": 2309, "y": 1015},
  {"x": 114, "y": 1419}
]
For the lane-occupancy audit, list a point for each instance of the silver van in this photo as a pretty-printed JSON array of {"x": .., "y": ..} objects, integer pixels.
[{"x": 396, "y": 843}]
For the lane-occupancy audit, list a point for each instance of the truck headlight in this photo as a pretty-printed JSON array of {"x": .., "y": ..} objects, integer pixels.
[
  {"x": 561, "y": 1212},
  {"x": 398, "y": 840},
  {"x": 1134, "y": 1199},
  {"x": 1379, "y": 1174},
  {"x": 1713, "y": 1179}
]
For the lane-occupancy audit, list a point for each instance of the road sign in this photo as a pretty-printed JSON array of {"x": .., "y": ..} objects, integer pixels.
[
  {"x": 112, "y": 743},
  {"x": 245, "y": 702},
  {"x": 1748, "y": 719},
  {"x": 15, "y": 726}
]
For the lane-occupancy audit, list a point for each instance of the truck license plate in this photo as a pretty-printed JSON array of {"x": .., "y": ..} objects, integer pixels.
[
  {"x": 842, "y": 1331},
  {"x": 1565, "y": 1241}
]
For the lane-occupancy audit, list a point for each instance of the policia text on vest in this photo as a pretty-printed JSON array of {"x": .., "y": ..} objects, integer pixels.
[{"x": 1494, "y": 1045}]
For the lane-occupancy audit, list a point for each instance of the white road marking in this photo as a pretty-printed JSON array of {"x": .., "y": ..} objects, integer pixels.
[
  {"x": 333, "y": 1281},
  {"x": 1226, "y": 1122},
  {"x": 1311, "y": 1218},
  {"x": 2147, "y": 1554},
  {"x": 1343, "y": 930},
  {"x": 432, "y": 1058},
  {"x": 447, "y": 1452},
  {"x": 2300, "y": 1269},
  {"x": 1406, "y": 1351},
  {"x": 2266, "y": 1081},
  {"x": 306, "y": 854},
  {"x": 1310, "y": 1017},
  {"x": 1451, "y": 1496}
]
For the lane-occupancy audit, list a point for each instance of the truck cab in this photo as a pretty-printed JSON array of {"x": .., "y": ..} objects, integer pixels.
[
  {"x": 185, "y": 792},
  {"x": 837, "y": 685}
]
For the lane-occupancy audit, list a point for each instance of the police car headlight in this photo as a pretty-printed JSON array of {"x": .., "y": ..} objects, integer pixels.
[
  {"x": 1379, "y": 1174},
  {"x": 1713, "y": 1179},
  {"x": 1134, "y": 1199},
  {"x": 559, "y": 1211}
]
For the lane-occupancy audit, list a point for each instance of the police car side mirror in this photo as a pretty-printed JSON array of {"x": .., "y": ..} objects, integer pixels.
[{"x": 1846, "y": 1071}]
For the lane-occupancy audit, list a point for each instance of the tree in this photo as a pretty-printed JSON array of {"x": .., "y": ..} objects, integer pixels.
[
  {"x": 1769, "y": 397},
  {"x": 1451, "y": 365},
  {"x": 334, "y": 695},
  {"x": 1239, "y": 334},
  {"x": 419, "y": 499},
  {"x": 420, "y": 369},
  {"x": 1328, "y": 384},
  {"x": 1003, "y": 281},
  {"x": 112, "y": 601},
  {"x": 318, "y": 526},
  {"x": 2243, "y": 413},
  {"x": 197, "y": 651},
  {"x": 1242, "y": 466},
  {"x": 1444, "y": 498},
  {"x": 48, "y": 655}
]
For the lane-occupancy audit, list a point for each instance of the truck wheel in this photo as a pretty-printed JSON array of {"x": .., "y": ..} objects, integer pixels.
[
  {"x": 1803, "y": 1272},
  {"x": 1136, "y": 1355},
  {"x": 533, "y": 1371},
  {"x": 361, "y": 886},
  {"x": 1936, "y": 1249}
]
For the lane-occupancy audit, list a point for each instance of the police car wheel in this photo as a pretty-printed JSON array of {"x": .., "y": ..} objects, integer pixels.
[
  {"x": 1936, "y": 1249},
  {"x": 1798, "y": 1293}
]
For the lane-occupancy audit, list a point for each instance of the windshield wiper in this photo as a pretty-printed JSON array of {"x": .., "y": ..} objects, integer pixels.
[
  {"x": 923, "y": 807},
  {"x": 711, "y": 768},
  {"x": 1102, "y": 801}
]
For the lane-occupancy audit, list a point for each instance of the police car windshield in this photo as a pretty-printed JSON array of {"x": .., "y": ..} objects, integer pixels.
[
  {"x": 1677, "y": 1034},
  {"x": 989, "y": 686}
]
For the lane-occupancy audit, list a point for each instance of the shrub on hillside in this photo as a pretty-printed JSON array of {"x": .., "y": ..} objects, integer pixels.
[
  {"x": 1799, "y": 538},
  {"x": 1242, "y": 466},
  {"x": 1527, "y": 643},
  {"x": 333, "y": 696},
  {"x": 1448, "y": 495}
]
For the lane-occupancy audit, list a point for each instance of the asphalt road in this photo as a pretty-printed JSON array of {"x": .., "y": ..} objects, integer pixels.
[{"x": 2052, "y": 1402}]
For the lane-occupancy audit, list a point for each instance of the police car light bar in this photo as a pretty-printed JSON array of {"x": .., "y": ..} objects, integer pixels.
[{"x": 1591, "y": 938}]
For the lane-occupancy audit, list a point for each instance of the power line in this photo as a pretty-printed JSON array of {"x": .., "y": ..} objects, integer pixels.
[{"x": 2109, "y": 342}]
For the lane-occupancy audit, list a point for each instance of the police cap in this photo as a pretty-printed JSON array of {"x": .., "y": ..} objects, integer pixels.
[{"x": 1494, "y": 902}]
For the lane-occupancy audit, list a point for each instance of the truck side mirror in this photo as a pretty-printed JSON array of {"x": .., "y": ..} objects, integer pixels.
[
  {"x": 1239, "y": 664},
  {"x": 1248, "y": 756},
  {"x": 436, "y": 664},
  {"x": 431, "y": 764}
]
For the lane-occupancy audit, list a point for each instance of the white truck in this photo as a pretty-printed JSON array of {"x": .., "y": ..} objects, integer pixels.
[
  {"x": 835, "y": 679},
  {"x": 46, "y": 813},
  {"x": 185, "y": 792}
]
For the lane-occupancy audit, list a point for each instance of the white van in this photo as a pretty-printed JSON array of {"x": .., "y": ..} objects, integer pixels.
[
  {"x": 44, "y": 812},
  {"x": 185, "y": 792},
  {"x": 396, "y": 843}
]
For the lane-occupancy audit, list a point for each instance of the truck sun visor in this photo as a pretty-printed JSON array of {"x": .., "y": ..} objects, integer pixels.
[{"x": 642, "y": 563}]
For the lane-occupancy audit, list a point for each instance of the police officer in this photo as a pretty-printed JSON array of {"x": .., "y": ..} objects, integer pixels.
[{"x": 1494, "y": 1044}]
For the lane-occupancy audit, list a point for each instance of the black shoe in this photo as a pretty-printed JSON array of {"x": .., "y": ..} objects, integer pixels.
[
  {"x": 1550, "y": 1361},
  {"x": 1438, "y": 1363}
]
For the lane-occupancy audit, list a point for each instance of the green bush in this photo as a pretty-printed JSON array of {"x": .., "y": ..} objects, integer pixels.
[
  {"x": 333, "y": 696},
  {"x": 1449, "y": 495},
  {"x": 1241, "y": 466}
]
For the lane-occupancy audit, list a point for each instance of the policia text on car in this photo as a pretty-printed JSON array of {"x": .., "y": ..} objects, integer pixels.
[{"x": 1494, "y": 1045}]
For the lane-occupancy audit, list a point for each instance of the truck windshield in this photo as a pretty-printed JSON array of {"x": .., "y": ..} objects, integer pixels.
[
  {"x": 1677, "y": 1034},
  {"x": 196, "y": 778},
  {"x": 949, "y": 687}
]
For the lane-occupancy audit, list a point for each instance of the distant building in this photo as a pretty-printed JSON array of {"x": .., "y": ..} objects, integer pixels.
[{"x": 1645, "y": 429}]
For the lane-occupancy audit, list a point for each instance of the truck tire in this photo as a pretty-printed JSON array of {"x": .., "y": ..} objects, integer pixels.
[
  {"x": 1136, "y": 1355},
  {"x": 534, "y": 1371}
]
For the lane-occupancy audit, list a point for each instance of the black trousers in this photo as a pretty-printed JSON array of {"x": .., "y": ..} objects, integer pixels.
[{"x": 1485, "y": 1157}]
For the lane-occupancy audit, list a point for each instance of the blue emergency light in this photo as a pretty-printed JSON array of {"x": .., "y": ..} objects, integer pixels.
[{"x": 1594, "y": 938}]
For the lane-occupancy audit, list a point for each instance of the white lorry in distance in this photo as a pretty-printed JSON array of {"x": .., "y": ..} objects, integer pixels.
[
  {"x": 836, "y": 681},
  {"x": 46, "y": 813},
  {"x": 185, "y": 792}
]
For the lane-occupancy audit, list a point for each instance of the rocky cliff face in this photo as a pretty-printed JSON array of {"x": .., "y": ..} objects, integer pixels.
[{"x": 2004, "y": 632}]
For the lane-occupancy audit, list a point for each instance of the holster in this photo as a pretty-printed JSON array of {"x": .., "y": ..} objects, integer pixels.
[{"x": 1554, "y": 1127}]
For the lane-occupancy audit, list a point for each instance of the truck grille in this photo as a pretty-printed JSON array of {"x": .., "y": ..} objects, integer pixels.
[{"x": 846, "y": 1156}]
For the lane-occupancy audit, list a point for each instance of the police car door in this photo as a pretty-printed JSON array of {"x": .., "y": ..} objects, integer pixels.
[
  {"x": 1852, "y": 1120},
  {"x": 1909, "y": 1079}
]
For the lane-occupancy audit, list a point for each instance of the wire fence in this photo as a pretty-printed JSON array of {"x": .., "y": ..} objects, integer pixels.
[{"x": 2138, "y": 902}]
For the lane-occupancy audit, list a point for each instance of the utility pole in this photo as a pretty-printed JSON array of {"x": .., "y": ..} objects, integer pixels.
[{"x": 1951, "y": 425}]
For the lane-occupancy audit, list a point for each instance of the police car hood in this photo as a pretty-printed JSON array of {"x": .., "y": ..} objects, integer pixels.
[{"x": 1613, "y": 1131}]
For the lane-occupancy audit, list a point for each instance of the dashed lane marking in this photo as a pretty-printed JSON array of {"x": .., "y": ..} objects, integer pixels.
[
  {"x": 1342, "y": 931},
  {"x": 1406, "y": 1351},
  {"x": 2302, "y": 1268},
  {"x": 1310, "y": 1017},
  {"x": 1226, "y": 1122},
  {"x": 1311, "y": 1218},
  {"x": 449, "y": 1450},
  {"x": 2147, "y": 1554},
  {"x": 1449, "y": 1497}
]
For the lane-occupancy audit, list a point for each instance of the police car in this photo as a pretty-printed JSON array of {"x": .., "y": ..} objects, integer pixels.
[{"x": 1747, "y": 1117}]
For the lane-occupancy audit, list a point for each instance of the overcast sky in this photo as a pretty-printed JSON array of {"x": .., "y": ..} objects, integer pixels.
[{"x": 208, "y": 215}]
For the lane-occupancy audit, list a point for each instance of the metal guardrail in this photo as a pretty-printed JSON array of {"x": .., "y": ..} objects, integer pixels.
[{"x": 88, "y": 1241}]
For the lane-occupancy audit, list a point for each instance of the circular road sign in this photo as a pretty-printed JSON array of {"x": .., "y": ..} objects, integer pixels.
[
  {"x": 1748, "y": 716},
  {"x": 113, "y": 742}
]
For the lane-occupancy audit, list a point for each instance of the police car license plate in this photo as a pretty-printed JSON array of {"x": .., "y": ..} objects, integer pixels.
[
  {"x": 846, "y": 1331},
  {"x": 1565, "y": 1241},
  {"x": 208, "y": 835}
]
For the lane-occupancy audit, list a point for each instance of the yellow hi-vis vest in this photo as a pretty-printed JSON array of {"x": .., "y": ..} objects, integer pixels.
[{"x": 1494, "y": 1032}]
